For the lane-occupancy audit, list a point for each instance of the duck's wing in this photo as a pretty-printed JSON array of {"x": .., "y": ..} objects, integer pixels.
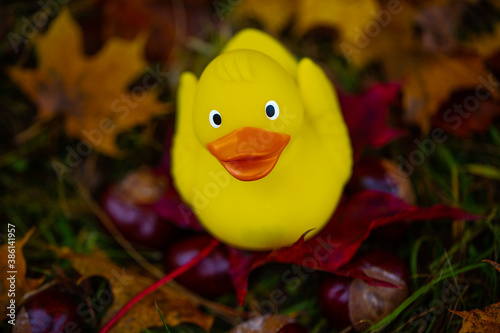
[
  {"x": 253, "y": 39},
  {"x": 322, "y": 110},
  {"x": 185, "y": 147}
]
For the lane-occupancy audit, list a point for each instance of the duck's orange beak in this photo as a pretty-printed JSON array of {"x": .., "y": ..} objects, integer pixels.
[{"x": 249, "y": 153}]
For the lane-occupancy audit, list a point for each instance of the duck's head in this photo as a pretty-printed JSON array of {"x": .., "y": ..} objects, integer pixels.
[{"x": 247, "y": 111}]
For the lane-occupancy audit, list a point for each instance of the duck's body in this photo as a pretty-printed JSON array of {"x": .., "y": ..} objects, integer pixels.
[{"x": 253, "y": 181}]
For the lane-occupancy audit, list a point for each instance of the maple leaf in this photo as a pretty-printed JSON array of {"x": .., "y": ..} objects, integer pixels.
[
  {"x": 91, "y": 92},
  {"x": 273, "y": 15},
  {"x": 485, "y": 320},
  {"x": 336, "y": 244},
  {"x": 127, "y": 283},
  {"x": 346, "y": 15},
  {"x": 23, "y": 284},
  {"x": 432, "y": 82}
]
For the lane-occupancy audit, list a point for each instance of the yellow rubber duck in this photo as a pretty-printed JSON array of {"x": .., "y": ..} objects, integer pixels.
[{"x": 261, "y": 152}]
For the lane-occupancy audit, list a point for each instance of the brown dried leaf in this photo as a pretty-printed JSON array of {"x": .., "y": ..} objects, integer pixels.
[
  {"x": 23, "y": 284},
  {"x": 494, "y": 264},
  {"x": 91, "y": 92},
  {"x": 127, "y": 283},
  {"x": 486, "y": 320},
  {"x": 263, "y": 324},
  {"x": 432, "y": 81}
]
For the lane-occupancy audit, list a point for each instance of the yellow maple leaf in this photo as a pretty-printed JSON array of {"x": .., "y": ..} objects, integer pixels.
[
  {"x": 91, "y": 92},
  {"x": 273, "y": 15},
  {"x": 125, "y": 284},
  {"x": 349, "y": 16},
  {"x": 369, "y": 30},
  {"x": 432, "y": 80},
  {"x": 22, "y": 284}
]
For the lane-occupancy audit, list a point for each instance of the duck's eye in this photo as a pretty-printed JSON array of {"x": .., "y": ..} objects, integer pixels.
[
  {"x": 272, "y": 110},
  {"x": 215, "y": 119}
]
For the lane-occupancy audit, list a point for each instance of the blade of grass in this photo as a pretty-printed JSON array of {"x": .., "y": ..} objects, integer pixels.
[
  {"x": 486, "y": 171},
  {"x": 163, "y": 320}
]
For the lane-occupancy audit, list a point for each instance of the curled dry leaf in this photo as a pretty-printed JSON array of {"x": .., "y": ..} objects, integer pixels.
[
  {"x": 23, "y": 284},
  {"x": 494, "y": 264},
  {"x": 90, "y": 92},
  {"x": 127, "y": 283}
]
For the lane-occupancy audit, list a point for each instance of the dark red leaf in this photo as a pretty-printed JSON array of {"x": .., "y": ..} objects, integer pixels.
[
  {"x": 366, "y": 116},
  {"x": 241, "y": 265},
  {"x": 337, "y": 243}
]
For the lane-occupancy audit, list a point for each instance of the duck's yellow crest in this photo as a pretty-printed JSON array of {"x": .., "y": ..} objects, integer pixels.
[{"x": 261, "y": 151}]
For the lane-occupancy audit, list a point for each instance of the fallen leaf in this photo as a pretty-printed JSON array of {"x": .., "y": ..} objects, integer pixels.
[
  {"x": 22, "y": 283},
  {"x": 370, "y": 31},
  {"x": 347, "y": 15},
  {"x": 464, "y": 124},
  {"x": 91, "y": 92},
  {"x": 273, "y": 15},
  {"x": 267, "y": 324},
  {"x": 366, "y": 116},
  {"x": 432, "y": 82},
  {"x": 486, "y": 320},
  {"x": 125, "y": 284},
  {"x": 169, "y": 24},
  {"x": 494, "y": 264},
  {"x": 336, "y": 244}
]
